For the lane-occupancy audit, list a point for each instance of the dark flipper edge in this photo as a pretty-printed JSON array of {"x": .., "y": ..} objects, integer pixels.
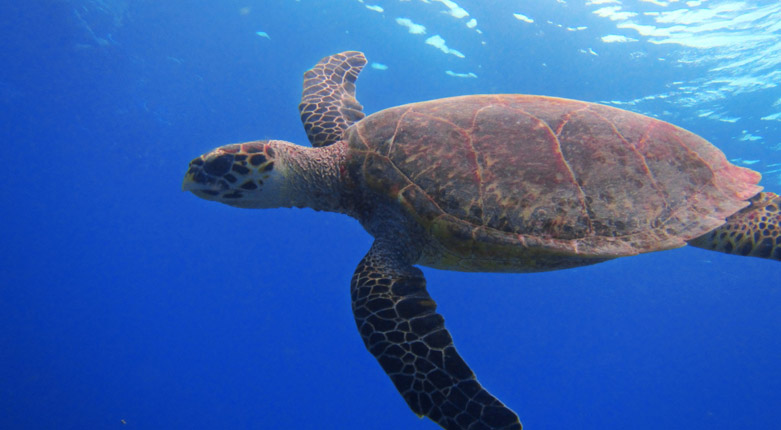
[
  {"x": 399, "y": 324},
  {"x": 328, "y": 105},
  {"x": 754, "y": 231}
]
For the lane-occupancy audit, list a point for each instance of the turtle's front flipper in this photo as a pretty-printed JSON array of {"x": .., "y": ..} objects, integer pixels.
[
  {"x": 328, "y": 105},
  {"x": 399, "y": 324},
  {"x": 754, "y": 231}
]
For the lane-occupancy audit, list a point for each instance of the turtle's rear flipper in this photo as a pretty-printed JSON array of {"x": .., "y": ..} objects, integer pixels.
[
  {"x": 754, "y": 231},
  {"x": 328, "y": 105},
  {"x": 399, "y": 324}
]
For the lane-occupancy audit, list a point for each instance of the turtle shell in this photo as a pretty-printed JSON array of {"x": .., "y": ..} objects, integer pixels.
[{"x": 490, "y": 173}]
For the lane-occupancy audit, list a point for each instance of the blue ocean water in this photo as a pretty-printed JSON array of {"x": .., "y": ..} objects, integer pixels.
[{"x": 126, "y": 303}]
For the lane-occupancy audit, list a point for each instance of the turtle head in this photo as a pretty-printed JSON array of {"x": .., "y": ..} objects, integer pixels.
[{"x": 246, "y": 175}]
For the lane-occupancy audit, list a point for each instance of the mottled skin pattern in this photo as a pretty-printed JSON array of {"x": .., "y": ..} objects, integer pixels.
[
  {"x": 233, "y": 170},
  {"x": 328, "y": 105},
  {"x": 508, "y": 183},
  {"x": 399, "y": 324},
  {"x": 754, "y": 231}
]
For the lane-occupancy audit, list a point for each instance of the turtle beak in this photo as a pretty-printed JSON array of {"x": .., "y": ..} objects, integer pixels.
[
  {"x": 200, "y": 182},
  {"x": 190, "y": 183},
  {"x": 194, "y": 170}
]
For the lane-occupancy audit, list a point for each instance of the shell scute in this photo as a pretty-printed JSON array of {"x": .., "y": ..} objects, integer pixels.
[
  {"x": 526, "y": 185},
  {"x": 623, "y": 196},
  {"x": 436, "y": 155},
  {"x": 454, "y": 233},
  {"x": 419, "y": 204},
  {"x": 555, "y": 112},
  {"x": 382, "y": 175},
  {"x": 374, "y": 132}
]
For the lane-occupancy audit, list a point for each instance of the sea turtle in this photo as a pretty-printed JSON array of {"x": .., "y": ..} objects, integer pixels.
[{"x": 495, "y": 183}]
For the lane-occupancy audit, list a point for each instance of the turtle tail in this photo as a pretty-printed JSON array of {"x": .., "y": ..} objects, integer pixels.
[{"x": 754, "y": 231}]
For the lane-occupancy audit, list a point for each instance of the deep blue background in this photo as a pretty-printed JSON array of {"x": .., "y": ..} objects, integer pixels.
[{"x": 125, "y": 303}]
